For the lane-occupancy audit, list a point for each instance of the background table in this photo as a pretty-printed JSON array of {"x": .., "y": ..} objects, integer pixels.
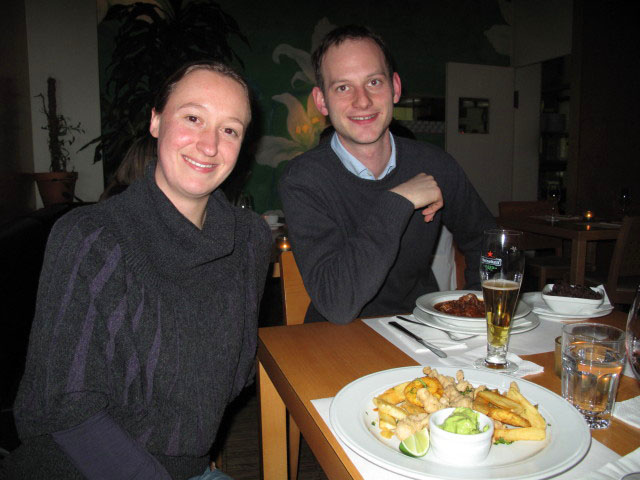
[
  {"x": 297, "y": 364},
  {"x": 579, "y": 232}
]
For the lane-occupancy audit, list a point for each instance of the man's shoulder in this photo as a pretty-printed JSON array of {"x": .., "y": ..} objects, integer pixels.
[
  {"x": 410, "y": 147},
  {"x": 310, "y": 163}
]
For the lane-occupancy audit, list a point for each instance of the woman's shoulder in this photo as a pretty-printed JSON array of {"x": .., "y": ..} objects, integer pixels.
[
  {"x": 83, "y": 226},
  {"x": 259, "y": 231}
]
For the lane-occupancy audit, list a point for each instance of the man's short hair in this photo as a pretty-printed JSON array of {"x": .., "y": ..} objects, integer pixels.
[{"x": 339, "y": 35}]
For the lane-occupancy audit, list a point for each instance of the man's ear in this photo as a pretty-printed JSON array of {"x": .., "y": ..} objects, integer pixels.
[
  {"x": 318, "y": 98},
  {"x": 154, "y": 125},
  {"x": 397, "y": 87}
]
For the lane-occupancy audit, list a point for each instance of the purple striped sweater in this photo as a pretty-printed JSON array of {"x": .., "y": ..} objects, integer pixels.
[{"x": 144, "y": 316}]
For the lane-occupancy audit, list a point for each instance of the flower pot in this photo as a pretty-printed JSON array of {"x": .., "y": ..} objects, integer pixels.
[{"x": 56, "y": 187}]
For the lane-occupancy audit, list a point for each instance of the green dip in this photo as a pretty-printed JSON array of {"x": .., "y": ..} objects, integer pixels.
[{"x": 464, "y": 421}]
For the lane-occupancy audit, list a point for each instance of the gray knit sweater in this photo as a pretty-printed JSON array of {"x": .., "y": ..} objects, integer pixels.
[
  {"x": 363, "y": 250},
  {"x": 144, "y": 316}
]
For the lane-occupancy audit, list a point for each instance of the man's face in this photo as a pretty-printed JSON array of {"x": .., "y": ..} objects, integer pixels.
[{"x": 359, "y": 93}]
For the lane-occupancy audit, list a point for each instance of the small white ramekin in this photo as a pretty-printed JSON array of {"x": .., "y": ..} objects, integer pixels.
[{"x": 456, "y": 448}]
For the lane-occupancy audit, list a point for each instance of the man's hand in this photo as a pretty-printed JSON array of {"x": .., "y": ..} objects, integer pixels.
[{"x": 423, "y": 191}]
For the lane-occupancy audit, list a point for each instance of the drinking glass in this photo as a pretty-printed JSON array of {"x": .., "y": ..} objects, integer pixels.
[
  {"x": 593, "y": 355},
  {"x": 633, "y": 335},
  {"x": 501, "y": 270},
  {"x": 553, "y": 196}
]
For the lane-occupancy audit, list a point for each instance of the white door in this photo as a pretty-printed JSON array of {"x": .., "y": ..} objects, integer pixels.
[{"x": 498, "y": 169}]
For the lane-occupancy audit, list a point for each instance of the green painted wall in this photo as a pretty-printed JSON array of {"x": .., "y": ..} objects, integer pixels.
[{"x": 423, "y": 36}]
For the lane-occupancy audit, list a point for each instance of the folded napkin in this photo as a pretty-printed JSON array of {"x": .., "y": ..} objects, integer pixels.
[
  {"x": 466, "y": 359},
  {"x": 628, "y": 411},
  {"x": 617, "y": 469},
  {"x": 428, "y": 334}
]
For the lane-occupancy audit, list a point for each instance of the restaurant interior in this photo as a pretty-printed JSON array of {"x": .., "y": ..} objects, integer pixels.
[{"x": 572, "y": 124}]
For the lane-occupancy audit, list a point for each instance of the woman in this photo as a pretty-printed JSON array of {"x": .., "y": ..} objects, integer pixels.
[{"x": 146, "y": 318}]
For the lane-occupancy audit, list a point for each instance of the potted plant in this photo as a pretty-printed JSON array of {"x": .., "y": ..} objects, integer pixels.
[
  {"x": 58, "y": 184},
  {"x": 151, "y": 41}
]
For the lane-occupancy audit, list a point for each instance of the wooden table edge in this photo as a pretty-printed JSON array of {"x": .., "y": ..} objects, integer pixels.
[{"x": 323, "y": 443}]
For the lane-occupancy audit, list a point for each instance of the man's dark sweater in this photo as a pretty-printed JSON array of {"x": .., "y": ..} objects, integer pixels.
[
  {"x": 145, "y": 327},
  {"x": 365, "y": 251}
]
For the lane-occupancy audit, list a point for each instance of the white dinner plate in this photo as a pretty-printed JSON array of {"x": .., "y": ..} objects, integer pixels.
[
  {"x": 520, "y": 325},
  {"x": 427, "y": 303},
  {"x": 535, "y": 301},
  {"x": 355, "y": 422}
]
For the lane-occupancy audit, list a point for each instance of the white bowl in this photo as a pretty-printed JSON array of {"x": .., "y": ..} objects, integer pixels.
[
  {"x": 456, "y": 448},
  {"x": 571, "y": 305},
  {"x": 271, "y": 219}
]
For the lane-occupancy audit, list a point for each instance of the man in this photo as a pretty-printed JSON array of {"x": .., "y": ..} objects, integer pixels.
[{"x": 364, "y": 210}]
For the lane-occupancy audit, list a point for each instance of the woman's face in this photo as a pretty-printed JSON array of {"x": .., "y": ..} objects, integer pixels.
[{"x": 199, "y": 134}]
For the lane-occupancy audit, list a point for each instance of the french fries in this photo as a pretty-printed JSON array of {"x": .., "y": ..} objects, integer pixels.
[
  {"x": 501, "y": 401},
  {"x": 516, "y": 434},
  {"x": 395, "y": 394},
  {"x": 515, "y": 417},
  {"x": 386, "y": 421},
  {"x": 389, "y": 409},
  {"x": 530, "y": 412}
]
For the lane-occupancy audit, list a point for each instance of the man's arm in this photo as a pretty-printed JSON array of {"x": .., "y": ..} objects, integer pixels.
[
  {"x": 342, "y": 273},
  {"x": 423, "y": 191}
]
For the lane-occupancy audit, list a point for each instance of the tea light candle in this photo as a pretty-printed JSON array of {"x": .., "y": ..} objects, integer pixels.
[
  {"x": 282, "y": 242},
  {"x": 588, "y": 215}
]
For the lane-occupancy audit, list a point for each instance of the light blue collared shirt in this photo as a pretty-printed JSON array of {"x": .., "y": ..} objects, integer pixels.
[{"x": 356, "y": 167}]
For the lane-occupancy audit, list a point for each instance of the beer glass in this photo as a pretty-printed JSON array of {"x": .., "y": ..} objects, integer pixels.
[{"x": 501, "y": 270}]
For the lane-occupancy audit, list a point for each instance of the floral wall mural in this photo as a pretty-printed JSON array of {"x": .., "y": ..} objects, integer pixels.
[
  {"x": 281, "y": 34},
  {"x": 304, "y": 121}
]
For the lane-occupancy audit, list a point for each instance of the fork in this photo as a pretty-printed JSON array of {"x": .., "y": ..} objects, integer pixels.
[{"x": 452, "y": 336}]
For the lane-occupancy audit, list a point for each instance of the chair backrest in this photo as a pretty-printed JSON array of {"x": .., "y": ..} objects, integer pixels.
[
  {"x": 626, "y": 254},
  {"x": 461, "y": 265},
  {"x": 295, "y": 299}
]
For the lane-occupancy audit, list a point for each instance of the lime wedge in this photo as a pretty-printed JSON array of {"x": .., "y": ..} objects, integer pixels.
[{"x": 417, "y": 445}]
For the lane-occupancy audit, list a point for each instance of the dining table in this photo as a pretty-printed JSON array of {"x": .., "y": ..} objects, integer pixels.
[
  {"x": 301, "y": 363},
  {"x": 576, "y": 229}
]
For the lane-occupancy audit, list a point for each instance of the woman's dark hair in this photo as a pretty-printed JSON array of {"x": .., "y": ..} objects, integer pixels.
[
  {"x": 339, "y": 35},
  {"x": 212, "y": 66},
  {"x": 144, "y": 149}
]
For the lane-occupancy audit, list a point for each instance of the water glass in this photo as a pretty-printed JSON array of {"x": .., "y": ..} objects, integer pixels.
[
  {"x": 501, "y": 270},
  {"x": 633, "y": 335},
  {"x": 593, "y": 356}
]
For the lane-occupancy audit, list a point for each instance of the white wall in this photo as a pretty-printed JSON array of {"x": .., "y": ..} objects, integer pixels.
[
  {"x": 526, "y": 133},
  {"x": 542, "y": 30},
  {"x": 62, "y": 43}
]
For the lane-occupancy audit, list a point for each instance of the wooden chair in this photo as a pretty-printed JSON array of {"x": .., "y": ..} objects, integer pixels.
[
  {"x": 295, "y": 301},
  {"x": 546, "y": 266},
  {"x": 623, "y": 277}
]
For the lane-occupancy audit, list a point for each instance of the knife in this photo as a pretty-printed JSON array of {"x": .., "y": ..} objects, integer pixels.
[{"x": 434, "y": 349}]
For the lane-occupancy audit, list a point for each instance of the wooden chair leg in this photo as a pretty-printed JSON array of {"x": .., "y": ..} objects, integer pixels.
[{"x": 294, "y": 448}]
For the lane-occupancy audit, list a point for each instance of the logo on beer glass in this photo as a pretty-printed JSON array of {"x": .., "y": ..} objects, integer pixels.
[{"x": 489, "y": 264}]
